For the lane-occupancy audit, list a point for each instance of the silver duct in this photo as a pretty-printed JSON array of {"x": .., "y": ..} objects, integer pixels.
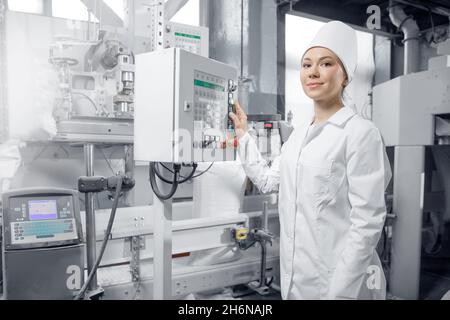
[
  {"x": 410, "y": 31},
  {"x": 243, "y": 33},
  {"x": 172, "y": 7}
]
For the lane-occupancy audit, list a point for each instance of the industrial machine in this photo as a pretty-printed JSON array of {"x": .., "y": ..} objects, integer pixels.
[
  {"x": 42, "y": 249},
  {"x": 96, "y": 89},
  {"x": 412, "y": 113},
  {"x": 182, "y": 106}
]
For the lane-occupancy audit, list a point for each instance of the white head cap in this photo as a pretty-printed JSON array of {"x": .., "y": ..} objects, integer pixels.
[{"x": 341, "y": 39}]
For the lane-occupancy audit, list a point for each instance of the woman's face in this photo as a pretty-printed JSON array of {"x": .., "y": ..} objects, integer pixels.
[{"x": 322, "y": 75}]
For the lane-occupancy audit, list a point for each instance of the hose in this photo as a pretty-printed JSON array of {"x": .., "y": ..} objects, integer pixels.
[
  {"x": 174, "y": 183},
  {"x": 82, "y": 292}
]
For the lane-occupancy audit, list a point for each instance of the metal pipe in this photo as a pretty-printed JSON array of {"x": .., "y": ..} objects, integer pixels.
[
  {"x": 242, "y": 39},
  {"x": 410, "y": 31},
  {"x": 48, "y": 10},
  {"x": 262, "y": 279},
  {"x": 433, "y": 8},
  {"x": 162, "y": 260},
  {"x": 265, "y": 216},
  {"x": 4, "y": 118},
  {"x": 204, "y": 13},
  {"x": 91, "y": 247}
]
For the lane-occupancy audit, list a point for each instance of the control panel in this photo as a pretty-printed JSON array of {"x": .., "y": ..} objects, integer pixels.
[
  {"x": 210, "y": 108},
  {"x": 182, "y": 106},
  {"x": 190, "y": 38},
  {"x": 41, "y": 218}
]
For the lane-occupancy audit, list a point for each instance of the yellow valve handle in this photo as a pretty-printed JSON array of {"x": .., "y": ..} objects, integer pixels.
[{"x": 241, "y": 233}]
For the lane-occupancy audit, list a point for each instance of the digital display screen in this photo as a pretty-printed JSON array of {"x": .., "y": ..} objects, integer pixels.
[{"x": 42, "y": 209}]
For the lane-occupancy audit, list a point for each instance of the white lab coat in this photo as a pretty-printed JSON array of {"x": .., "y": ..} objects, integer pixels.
[{"x": 331, "y": 205}]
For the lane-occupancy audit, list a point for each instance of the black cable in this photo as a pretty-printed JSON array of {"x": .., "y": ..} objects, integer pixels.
[
  {"x": 82, "y": 292},
  {"x": 161, "y": 177},
  {"x": 152, "y": 173},
  {"x": 203, "y": 171},
  {"x": 200, "y": 174},
  {"x": 189, "y": 177}
]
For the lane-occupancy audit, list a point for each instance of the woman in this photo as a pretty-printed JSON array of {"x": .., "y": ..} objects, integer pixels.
[{"x": 331, "y": 178}]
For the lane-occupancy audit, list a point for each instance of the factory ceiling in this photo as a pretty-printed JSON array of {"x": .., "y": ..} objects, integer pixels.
[{"x": 428, "y": 13}]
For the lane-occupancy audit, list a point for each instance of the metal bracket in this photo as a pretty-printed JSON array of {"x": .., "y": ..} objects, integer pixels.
[
  {"x": 157, "y": 22},
  {"x": 137, "y": 244}
]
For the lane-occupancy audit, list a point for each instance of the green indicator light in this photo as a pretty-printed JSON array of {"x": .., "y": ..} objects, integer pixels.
[
  {"x": 178, "y": 34},
  {"x": 208, "y": 85}
]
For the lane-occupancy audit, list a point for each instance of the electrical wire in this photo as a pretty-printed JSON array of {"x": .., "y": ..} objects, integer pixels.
[
  {"x": 203, "y": 172},
  {"x": 200, "y": 174},
  {"x": 82, "y": 291},
  {"x": 190, "y": 176},
  {"x": 152, "y": 174},
  {"x": 185, "y": 179},
  {"x": 162, "y": 178},
  {"x": 87, "y": 97}
]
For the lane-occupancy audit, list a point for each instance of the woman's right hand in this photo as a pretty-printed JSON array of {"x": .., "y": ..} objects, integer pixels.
[{"x": 239, "y": 121}]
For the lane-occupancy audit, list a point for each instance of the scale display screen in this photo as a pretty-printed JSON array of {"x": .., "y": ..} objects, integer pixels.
[
  {"x": 42, "y": 220},
  {"x": 42, "y": 209}
]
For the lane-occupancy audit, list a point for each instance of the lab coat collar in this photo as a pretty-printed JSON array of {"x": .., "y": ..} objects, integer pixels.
[{"x": 340, "y": 117}]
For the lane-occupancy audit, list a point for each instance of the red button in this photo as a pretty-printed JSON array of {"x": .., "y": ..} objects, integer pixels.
[{"x": 268, "y": 125}]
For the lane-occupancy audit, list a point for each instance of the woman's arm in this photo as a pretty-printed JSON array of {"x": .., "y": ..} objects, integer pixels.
[
  {"x": 366, "y": 170},
  {"x": 256, "y": 168}
]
